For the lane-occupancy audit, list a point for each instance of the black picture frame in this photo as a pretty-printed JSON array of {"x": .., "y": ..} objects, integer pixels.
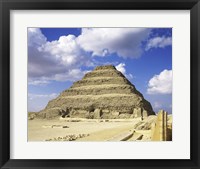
[{"x": 7, "y": 5}]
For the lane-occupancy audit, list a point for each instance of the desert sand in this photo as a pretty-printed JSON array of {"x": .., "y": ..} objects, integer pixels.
[{"x": 92, "y": 129}]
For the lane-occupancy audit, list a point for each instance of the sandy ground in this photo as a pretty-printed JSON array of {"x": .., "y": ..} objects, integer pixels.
[{"x": 98, "y": 131}]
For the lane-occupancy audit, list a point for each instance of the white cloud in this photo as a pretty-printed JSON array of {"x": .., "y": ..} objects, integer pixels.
[
  {"x": 66, "y": 51},
  {"x": 57, "y": 60},
  {"x": 37, "y": 102},
  {"x": 121, "y": 67},
  {"x": 161, "y": 84},
  {"x": 35, "y": 37},
  {"x": 126, "y": 42},
  {"x": 61, "y": 60},
  {"x": 72, "y": 75},
  {"x": 32, "y": 96},
  {"x": 38, "y": 82},
  {"x": 158, "y": 42}
]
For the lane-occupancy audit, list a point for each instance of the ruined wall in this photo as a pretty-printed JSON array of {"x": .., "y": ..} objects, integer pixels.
[{"x": 161, "y": 130}]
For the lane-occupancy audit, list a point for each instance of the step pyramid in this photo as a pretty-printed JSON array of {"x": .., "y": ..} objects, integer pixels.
[{"x": 102, "y": 93}]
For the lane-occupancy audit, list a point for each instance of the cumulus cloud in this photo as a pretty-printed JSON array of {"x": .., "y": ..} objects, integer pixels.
[
  {"x": 66, "y": 51},
  {"x": 37, "y": 102},
  {"x": 161, "y": 84},
  {"x": 35, "y": 37},
  {"x": 121, "y": 67},
  {"x": 158, "y": 42},
  {"x": 32, "y": 96},
  {"x": 56, "y": 60},
  {"x": 38, "y": 82},
  {"x": 62, "y": 59},
  {"x": 71, "y": 75},
  {"x": 125, "y": 42}
]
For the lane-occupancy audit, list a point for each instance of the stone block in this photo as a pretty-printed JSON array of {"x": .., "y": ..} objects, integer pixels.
[
  {"x": 97, "y": 114},
  {"x": 137, "y": 112},
  {"x": 160, "y": 130},
  {"x": 115, "y": 113},
  {"x": 144, "y": 114}
]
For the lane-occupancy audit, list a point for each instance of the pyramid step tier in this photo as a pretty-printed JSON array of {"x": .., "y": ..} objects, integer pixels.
[
  {"x": 105, "y": 67},
  {"x": 100, "y": 81},
  {"x": 99, "y": 89},
  {"x": 105, "y": 101},
  {"x": 104, "y": 73}
]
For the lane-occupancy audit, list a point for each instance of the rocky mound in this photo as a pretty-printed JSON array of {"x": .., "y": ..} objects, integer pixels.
[{"x": 103, "y": 93}]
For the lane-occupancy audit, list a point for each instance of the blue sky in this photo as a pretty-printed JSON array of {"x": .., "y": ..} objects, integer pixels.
[{"x": 59, "y": 56}]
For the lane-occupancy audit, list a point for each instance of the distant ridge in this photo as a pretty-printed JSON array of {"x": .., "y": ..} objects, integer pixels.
[{"x": 102, "y": 93}]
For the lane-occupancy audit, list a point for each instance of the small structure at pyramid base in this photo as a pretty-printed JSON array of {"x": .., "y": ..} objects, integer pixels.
[{"x": 104, "y": 93}]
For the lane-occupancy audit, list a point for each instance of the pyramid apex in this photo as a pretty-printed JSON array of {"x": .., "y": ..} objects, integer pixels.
[{"x": 103, "y": 67}]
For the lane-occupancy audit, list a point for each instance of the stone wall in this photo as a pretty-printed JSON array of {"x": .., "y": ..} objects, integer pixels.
[{"x": 161, "y": 130}]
